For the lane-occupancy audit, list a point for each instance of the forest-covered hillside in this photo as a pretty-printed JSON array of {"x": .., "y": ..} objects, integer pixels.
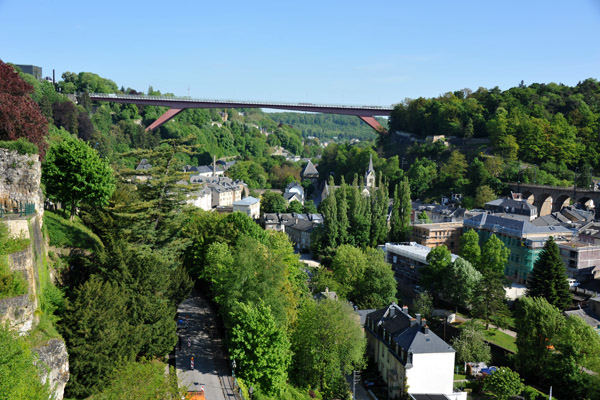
[
  {"x": 328, "y": 126},
  {"x": 538, "y": 123}
]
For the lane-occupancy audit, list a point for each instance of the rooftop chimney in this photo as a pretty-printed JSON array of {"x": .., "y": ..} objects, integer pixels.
[
  {"x": 413, "y": 321},
  {"x": 423, "y": 322},
  {"x": 425, "y": 329},
  {"x": 405, "y": 309},
  {"x": 418, "y": 317}
]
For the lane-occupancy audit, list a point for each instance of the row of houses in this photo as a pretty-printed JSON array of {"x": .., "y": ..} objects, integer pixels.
[{"x": 517, "y": 224}]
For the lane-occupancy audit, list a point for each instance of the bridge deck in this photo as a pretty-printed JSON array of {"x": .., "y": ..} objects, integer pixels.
[{"x": 187, "y": 102}]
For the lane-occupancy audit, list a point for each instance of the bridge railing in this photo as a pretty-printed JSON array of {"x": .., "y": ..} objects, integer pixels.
[{"x": 266, "y": 104}]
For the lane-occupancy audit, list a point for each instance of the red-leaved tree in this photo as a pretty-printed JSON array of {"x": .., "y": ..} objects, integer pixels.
[{"x": 20, "y": 116}]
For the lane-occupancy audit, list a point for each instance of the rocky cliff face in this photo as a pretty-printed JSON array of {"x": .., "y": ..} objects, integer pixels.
[
  {"x": 54, "y": 356},
  {"x": 19, "y": 184},
  {"x": 20, "y": 177}
]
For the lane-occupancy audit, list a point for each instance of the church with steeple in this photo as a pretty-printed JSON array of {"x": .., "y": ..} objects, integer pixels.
[{"x": 370, "y": 175}]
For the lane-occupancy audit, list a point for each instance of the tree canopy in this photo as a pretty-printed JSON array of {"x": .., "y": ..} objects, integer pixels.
[
  {"x": 548, "y": 279},
  {"x": 74, "y": 173},
  {"x": 20, "y": 116}
]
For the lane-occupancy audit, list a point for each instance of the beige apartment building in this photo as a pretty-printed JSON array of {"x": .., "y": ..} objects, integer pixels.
[{"x": 438, "y": 234}]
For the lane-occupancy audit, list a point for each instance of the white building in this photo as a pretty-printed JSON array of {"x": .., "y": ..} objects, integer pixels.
[
  {"x": 249, "y": 206},
  {"x": 201, "y": 199},
  {"x": 404, "y": 347}
]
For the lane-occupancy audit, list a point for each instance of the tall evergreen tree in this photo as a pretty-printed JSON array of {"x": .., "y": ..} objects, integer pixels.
[
  {"x": 360, "y": 218},
  {"x": 405, "y": 208},
  {"x": 330, "y": 217},
  {"x": 342, "y": 212},
  {"x": 548, "y": 278},
  {"x": 395, "y": 226},
  {"x": 379, "y": 210}
]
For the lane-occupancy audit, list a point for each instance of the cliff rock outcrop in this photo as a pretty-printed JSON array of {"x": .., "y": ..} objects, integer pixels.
[{"x": 19, "y": 185}]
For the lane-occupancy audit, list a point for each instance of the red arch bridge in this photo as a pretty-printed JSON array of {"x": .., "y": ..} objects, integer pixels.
[{"x": 178, "y": 104}]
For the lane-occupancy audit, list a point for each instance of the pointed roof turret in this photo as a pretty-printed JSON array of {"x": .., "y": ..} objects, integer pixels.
[
  {"x": 371, "y": 169},
  {"x": 310, "y": 171}
]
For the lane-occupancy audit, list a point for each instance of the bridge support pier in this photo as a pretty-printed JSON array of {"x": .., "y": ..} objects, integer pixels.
[
  {"x": 372, "y": 122},
  {"x": 164, "y": 118}
]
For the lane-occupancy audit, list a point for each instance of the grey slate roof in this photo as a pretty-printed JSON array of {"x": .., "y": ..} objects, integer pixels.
[
  {"x": 511, "y": 206},
  {"x": 408, "y": 332},
  {"x": 425, "y": 396},
  {"x": 511, "y": 225},
  {"x": 310, "y": 170},
  {"x": 247, "y": 201},
  {"x": 416, "y": 341},
  {"x": 143, "y": 165}
]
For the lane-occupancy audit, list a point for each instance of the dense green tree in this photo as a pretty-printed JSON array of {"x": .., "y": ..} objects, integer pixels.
[
  {"x": 143, "y": 380},
  {"x": 272, "y": 202},
  {"x": 328, "y": 344},
  {"x": 343, "y": 221},
  {"x": 309, "y": 207},
  {"x": 20, "y": 116},
  {"x": 400, "y": 223},
  {"x": 423, "y": 218},
  {"x": 483, "y": 194},
  {"x": 469, "y": 247},
  {"x": 421, "y": 175},
  {"x": 379, "y": 208},
  {"x": 460, "y": 282},
  {"x": 490, "y": 297},
  {"x": 494, "y": 256},
  {"x": 348, "y": 267},
  {"x": 537, "y": 323},
  {"x": 489, "y": 301},
  {"x": 377, "y": 288},
  {"x": 73, "y": 174},
  {"x": 19, "y": 374},
  {"x": 470, "y": 345},
  {"x": 252, "y": 272},
  {"x": 423, "y": 304},
  {"x": 328, "y": 207},
  {"x": 259, "y": 347},
  {"x": 432, "y": 274},
  {"x": 453, "y": 172},
  {"x": 548, "y": 279},
  {"x": 295, "y": 207},
  {"x": 504, "y": 384},
  {"x": 98, "y": 334}
]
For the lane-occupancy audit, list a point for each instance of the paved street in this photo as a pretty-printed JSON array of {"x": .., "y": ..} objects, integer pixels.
[{"x": 210, "y": 368}]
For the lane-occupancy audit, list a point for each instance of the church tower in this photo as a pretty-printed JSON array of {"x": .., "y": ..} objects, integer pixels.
[{"x": 370, "y": 175}]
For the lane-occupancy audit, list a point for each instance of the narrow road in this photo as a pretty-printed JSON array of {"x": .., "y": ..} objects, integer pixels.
[{"x": 200, "y": 340}]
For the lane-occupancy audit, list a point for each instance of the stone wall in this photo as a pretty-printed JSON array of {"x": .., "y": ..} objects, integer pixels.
[
  {"x": 19, "y": 312},
  {"x": 20, "y": 178},
  {"x": 20, "y": 181}
]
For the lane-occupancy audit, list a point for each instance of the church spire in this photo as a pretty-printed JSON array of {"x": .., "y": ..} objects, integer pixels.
[{"x": 370, "y": 174}]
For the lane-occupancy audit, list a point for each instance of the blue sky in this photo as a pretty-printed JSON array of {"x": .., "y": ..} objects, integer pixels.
[{"x": 341, "y": 52}]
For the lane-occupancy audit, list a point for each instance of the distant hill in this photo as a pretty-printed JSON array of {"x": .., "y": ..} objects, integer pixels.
[{"x": 327, "y": 126}]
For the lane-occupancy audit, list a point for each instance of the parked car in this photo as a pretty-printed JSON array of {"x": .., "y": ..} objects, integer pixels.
[{"x": 573, "y": 282}]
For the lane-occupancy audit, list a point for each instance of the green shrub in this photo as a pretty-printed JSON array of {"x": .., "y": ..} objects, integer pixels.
[
  {"x": 21, "y": 146},
  {"x": 12, "y": 284}
]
